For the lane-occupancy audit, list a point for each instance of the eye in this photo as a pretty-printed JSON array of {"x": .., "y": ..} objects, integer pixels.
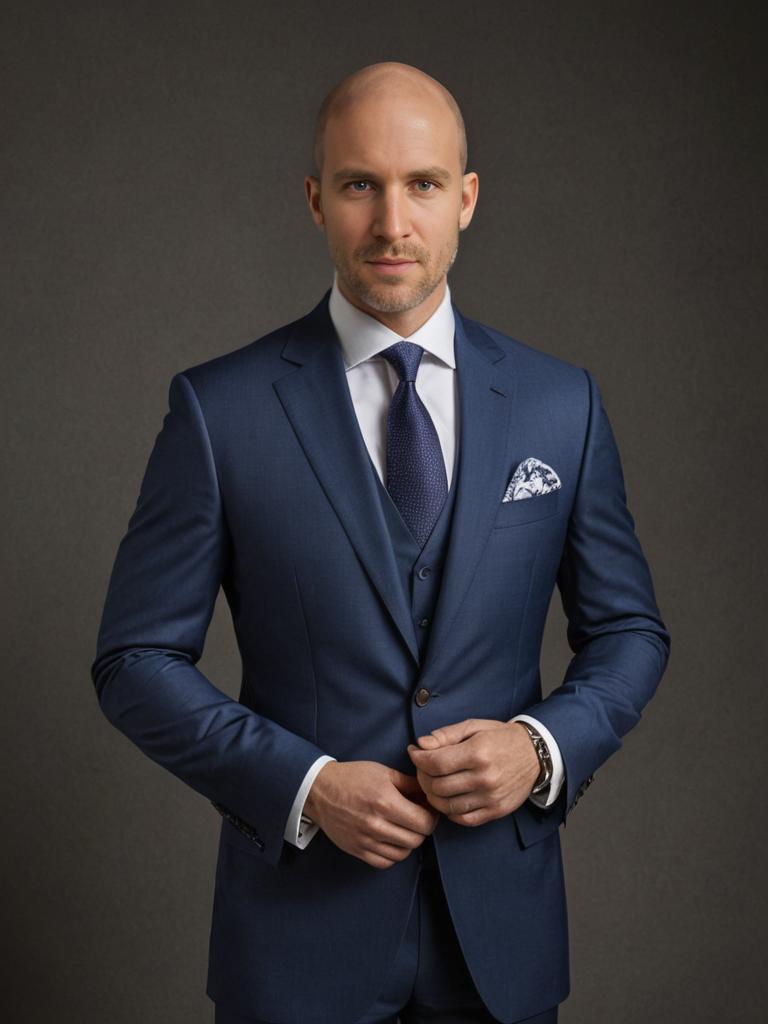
[
  {"x": 425, "y": 181},
  {"x": 353, "y": 183}
]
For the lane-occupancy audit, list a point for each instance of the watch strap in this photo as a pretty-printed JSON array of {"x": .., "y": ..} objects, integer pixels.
[{"x": 545, "y": 758}]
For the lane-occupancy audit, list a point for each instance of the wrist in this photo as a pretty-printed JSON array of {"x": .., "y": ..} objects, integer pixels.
[
  {"x": 543, "y": 775},
  {"x": 315, "y": 801}
]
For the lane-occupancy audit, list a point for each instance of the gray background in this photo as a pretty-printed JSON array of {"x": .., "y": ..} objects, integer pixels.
[{"x": 154, "y": 217}]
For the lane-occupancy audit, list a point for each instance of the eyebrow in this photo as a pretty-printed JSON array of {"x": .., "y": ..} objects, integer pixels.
[{"x": 358, "y": 174}]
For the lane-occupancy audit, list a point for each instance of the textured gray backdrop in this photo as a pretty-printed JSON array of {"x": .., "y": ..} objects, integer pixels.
[{"x": 154, "y": 217}]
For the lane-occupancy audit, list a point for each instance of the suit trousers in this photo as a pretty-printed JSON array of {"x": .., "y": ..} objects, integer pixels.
[{"x": 429, "y": 980}]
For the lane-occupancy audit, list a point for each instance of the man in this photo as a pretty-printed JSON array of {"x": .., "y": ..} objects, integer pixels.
[{"x": 388, "y": 493}]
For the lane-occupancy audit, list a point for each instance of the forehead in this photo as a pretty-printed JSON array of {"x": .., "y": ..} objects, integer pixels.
[{"x": 391, "y": 130}]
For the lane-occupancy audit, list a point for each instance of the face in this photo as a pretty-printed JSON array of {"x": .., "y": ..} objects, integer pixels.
[{"x": 392, "y": 200}]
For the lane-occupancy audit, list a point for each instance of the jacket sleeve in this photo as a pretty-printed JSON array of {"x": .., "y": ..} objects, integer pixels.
[
  {"x": 159, "y": 603},
  {"x": 620, "y": 644}
]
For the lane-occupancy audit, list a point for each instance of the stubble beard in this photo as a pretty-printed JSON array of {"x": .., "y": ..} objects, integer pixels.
[{"x": 388, "y": 295}]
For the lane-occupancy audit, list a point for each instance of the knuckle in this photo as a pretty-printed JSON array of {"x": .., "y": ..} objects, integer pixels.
[
  {"x": 370, "y": 822},
  {"x": 483, "y": 762},
  {"x": 378, "y": 806}
]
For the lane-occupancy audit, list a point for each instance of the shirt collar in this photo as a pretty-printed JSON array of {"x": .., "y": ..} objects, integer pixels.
[{"x": 362, "y": 336}]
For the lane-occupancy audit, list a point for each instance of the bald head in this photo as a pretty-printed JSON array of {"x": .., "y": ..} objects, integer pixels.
[{"x": 388, "y": 79}]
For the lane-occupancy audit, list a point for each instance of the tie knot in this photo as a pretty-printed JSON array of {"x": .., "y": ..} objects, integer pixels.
[{"x": 405, "y": 357}]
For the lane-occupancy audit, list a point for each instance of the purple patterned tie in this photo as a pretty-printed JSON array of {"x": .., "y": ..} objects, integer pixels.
[{"x": 416, "y": 477}]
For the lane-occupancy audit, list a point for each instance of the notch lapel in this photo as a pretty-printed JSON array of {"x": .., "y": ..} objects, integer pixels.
[
  {"x": 316, "y": 400},
  {"x": 486, "y": 396}
]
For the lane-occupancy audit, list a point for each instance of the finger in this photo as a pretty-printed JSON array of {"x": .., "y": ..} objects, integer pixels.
[
  {"x": 445, "y": 734},
  {"x": 457, "y": 784},
  {"x": 473, "y": 818},
  {"x": 412, "y": 810},
  {"x": 398, "y": 837},
  {"x": 388, "y": 851},
  {"x": 410, "y": 787},
  {"x": 465, "y": 797},
  {"x": 444, "y": 760},
  {"x": 458, "y": 731},
  {"x": 418, "y": 818},
  {"x": 465, "y": 805},
  {"x": 375, "y": 861},
  {"x": 405, "y": 783}
]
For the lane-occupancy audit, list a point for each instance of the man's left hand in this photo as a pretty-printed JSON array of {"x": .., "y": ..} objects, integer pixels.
[{"x": 476, "y": 770}]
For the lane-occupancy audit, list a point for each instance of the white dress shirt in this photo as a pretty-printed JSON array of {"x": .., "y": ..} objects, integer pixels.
[{"x": 372, "y": 381}]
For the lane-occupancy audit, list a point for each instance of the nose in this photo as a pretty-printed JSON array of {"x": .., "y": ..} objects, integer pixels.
[{"x": 391, "y": 219}]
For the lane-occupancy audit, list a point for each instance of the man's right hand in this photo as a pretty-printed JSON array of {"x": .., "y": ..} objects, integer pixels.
[{"x": 373, "y": 812}]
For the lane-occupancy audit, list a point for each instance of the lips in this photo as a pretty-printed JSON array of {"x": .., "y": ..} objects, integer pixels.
[{"x": 392, "y": 268}]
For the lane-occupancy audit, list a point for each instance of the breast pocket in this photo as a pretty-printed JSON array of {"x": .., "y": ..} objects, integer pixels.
[{"x": 527, "y": 510}]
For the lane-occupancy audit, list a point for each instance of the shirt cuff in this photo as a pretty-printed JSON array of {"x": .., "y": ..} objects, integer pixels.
[
  {"x": 547, "y": 796},
  {"x": 300, "y": 828}
]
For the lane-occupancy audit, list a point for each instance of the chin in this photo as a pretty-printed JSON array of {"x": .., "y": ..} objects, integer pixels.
[{"x": 392, "y": 300}]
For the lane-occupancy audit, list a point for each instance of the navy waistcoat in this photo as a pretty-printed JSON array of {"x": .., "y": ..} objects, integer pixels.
[{"x": 420, "y": 572}]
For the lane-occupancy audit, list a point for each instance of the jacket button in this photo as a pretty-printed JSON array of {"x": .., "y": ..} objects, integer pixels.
[
  {"x": 422, "y": 696},
  {"x": 424, "y": 571}
]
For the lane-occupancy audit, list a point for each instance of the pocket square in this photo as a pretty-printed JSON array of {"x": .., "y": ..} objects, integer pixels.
[{"x": 531, "y": 477}]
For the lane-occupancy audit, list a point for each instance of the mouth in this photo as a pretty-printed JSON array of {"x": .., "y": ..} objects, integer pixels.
[{"x": 391, "y": 266}]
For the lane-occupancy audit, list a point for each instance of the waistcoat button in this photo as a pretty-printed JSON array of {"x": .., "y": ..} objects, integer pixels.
[{"x": 424, "y": 571}]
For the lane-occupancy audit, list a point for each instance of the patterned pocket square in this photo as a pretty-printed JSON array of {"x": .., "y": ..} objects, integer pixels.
[{"x": 532, "y": 477}]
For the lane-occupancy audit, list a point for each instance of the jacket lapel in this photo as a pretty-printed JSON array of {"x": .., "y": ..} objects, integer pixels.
[
  {"x": 317, "y": 401},
  {"x": 486, "y": 396}
]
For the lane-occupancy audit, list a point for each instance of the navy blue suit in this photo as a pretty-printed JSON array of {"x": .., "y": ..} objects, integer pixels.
[{"x": 260, "y": 482}]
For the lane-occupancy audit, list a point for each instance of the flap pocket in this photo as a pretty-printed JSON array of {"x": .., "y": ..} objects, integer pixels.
[{"x": 527, "y": 510}]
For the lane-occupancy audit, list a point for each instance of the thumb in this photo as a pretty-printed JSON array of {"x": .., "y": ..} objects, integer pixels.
[
  {"x": 408, "y": 785},
  {"x": 410, "y": 788}
]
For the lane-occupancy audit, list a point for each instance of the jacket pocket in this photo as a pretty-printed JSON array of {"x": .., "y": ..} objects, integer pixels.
[{"x": 527, "y": 510}]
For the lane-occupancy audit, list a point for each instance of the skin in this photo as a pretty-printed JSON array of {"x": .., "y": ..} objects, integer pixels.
[{"x": 393, "y": 120}]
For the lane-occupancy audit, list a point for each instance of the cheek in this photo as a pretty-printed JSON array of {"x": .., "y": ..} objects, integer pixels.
[
  {"x": 441, "y": 236},
  {"x": 344, "y": 225}
]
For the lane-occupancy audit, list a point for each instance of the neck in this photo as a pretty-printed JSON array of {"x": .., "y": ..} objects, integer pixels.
[{"x": 406, "y": 321}]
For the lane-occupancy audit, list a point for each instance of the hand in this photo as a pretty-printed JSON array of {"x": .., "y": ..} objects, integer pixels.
[
  {"x": 371, "y": 811},
  {"x": 476, "y": 770}
]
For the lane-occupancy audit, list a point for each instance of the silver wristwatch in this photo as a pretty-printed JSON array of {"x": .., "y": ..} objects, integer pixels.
[{"x": 544, "y": 756}]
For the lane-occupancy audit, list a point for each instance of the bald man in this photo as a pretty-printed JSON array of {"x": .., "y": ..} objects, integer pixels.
[{"x": 388, "y": 493}]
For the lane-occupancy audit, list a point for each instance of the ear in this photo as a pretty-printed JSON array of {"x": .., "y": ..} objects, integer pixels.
[
  {"x": 469, "y": 190},
  {"x": 312, "y": 191}
]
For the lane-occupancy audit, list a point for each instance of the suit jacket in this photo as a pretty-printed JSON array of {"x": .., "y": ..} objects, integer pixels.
[{"x": 259, "y": 482}]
